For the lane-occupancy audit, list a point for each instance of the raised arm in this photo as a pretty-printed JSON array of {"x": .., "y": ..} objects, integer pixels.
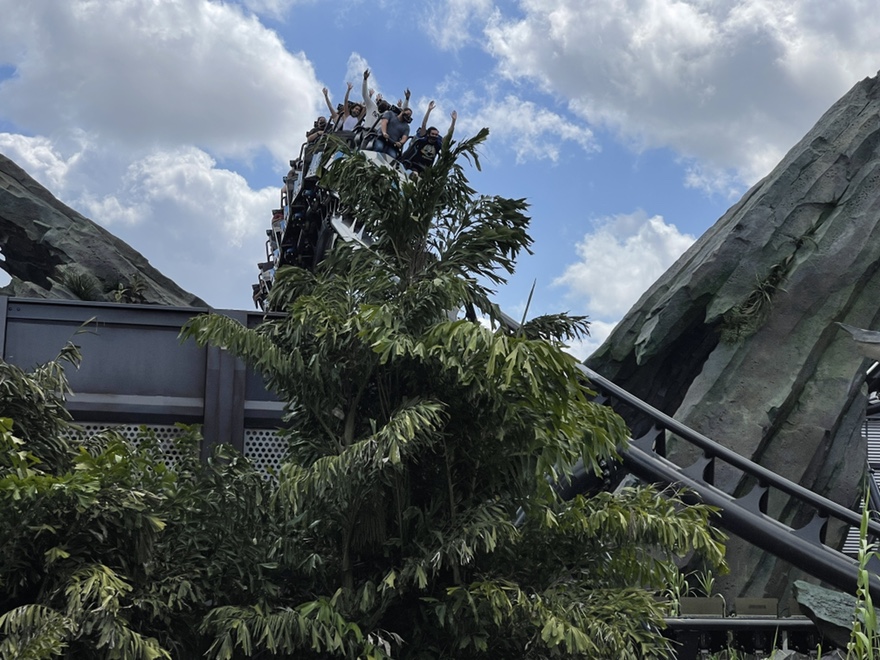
[
  {"x": 423, "y": 129},
  {"x": 369, "y": 103},
  {"x": 406, "y": 95},
  {"x": 345, "y": 100},
  {"x": 333, "y": 114},
  {"x": 452, "y": 125}
]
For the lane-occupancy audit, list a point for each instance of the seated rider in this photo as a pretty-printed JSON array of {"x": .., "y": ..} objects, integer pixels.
[
  {"x": 425, "y": 147},
  {"x": 316, "y": 131},
  {"x": 312, "y": 139},
  {"x": 371, "y": 112},
  {"x": 422, "y": 151},
  {"x": 350, "y": 113},
  {"x": 393, "y": 132},
  {"x": 351, "y": 116}
]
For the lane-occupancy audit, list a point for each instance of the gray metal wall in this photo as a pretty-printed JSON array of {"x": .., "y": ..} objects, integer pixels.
[{"x": 135, "y": 370}]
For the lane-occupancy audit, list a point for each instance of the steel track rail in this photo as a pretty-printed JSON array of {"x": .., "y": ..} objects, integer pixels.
[{"x": 745, "y": 516}]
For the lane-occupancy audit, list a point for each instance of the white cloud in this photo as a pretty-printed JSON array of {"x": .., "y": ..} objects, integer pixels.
[
  {"x": 141, "y": 73},
  {"x": 110, "y": 210},
  {"x": 188, "y": 216},
  {"x": 531, "y": 131},
  {"x": 354, "y": 73},
  {"x": 620, "y": 259},
  {"x": 205, "y": 223},
  {"x": 38, "y": 157},
  {"x": 599, "y": 331},
  {"x": 731, "y": 84},
  {"x": 218, "y": 202},
  {"x": 124, "y": 107},
  {"x": 451, "y": 21},
  {"x": 714, "y": 180},
  {"x": 276, "y": 9}
]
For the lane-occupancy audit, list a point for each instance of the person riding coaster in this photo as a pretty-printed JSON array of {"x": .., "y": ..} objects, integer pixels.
[{"x": 311, "y": 219}]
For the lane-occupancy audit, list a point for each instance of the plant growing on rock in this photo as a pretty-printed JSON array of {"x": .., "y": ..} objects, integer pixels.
[{"x": 82, "y": 285}]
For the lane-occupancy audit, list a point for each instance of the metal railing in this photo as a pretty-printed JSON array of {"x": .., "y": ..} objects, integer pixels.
[{"x": 745, "y": 516}]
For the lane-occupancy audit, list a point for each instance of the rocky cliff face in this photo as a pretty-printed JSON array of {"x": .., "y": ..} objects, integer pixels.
[
  {"x": 738, "y": 338},
  {"x": 51, "y": 251}
]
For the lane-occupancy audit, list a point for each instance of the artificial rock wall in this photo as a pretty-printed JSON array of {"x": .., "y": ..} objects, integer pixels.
[
  {"x": 45, "y": 244},
  {"x": 738, "y": 338}
]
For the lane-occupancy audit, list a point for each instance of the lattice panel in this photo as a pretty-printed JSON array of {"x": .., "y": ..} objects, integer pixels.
[
  {"x": 265, "y": 449},
  {"x": 165, "y": 435},
  {"x": 871, "y": 431}
]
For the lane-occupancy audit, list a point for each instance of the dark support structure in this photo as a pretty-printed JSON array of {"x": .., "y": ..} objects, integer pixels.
[
  {"x": 136, "y": 370},
  {"x": 697, "y": 637},
  {"x": 745, "y": 516},
  {"x": 224, "y": 383}
]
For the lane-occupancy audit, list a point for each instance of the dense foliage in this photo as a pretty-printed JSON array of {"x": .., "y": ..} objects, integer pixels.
[
  {"x": 106, "y": 552},
  {"x": 416, "y": 516},
  {"x": 424, "y": 448}
]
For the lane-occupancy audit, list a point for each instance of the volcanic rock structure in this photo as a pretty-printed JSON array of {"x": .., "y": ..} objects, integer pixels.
[
  {"x": 738, "y": 338},
  {"x": 51, "y": 251}
]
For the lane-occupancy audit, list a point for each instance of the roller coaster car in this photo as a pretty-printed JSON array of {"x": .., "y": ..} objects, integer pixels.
[
  {"x": 301, "y": 242},
  {"x": 310, "y": 219}
]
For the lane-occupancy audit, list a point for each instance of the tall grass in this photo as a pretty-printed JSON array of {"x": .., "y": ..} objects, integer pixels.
[{"x": 864, "y": 643}]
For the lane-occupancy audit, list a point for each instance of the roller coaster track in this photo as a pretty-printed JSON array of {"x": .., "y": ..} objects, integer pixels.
[{"x": 744, "y": 516}]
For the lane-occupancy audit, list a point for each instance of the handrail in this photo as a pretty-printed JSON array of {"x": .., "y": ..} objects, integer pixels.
[
  {"x": 759, "y": 529},
  {"x": 771, "y": 535},
  {"x": 713, "y": 449}
]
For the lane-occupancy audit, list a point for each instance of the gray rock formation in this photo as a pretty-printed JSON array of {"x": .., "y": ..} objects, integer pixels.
[
  {"x": 830, "y": 610},
  {"x": 738, "y": 338},
  {"x": 51, "y": 251}
]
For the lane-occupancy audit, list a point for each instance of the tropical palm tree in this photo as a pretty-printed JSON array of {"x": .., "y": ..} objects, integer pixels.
[{"x": 424, "y": 449}]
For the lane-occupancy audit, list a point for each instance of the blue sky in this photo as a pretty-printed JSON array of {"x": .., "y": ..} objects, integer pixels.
[{"x": 629, "y": 125}]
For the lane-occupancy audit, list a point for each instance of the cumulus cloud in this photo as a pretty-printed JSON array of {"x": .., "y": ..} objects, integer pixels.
[
  {"x": 714, "y": 180},
  {"x": 142, "y": 73},
  {"x": 111, "y": 210},
  {"x": 134, "y": 111},
  {"x": 194, "y": 217},
  {"x": 354, "y": 73},
  {"x": 599, "y": 331},
  {"x": 619, "y": 260},
  {"x": 39, "y": 158},
  {"x": 731, "y": 85},
  {"x": 185, "y": 213},
  {"x": 219, "y": 202},
  {"x": 451, "y": 21},
  {"x": 533, "y": 132}
]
